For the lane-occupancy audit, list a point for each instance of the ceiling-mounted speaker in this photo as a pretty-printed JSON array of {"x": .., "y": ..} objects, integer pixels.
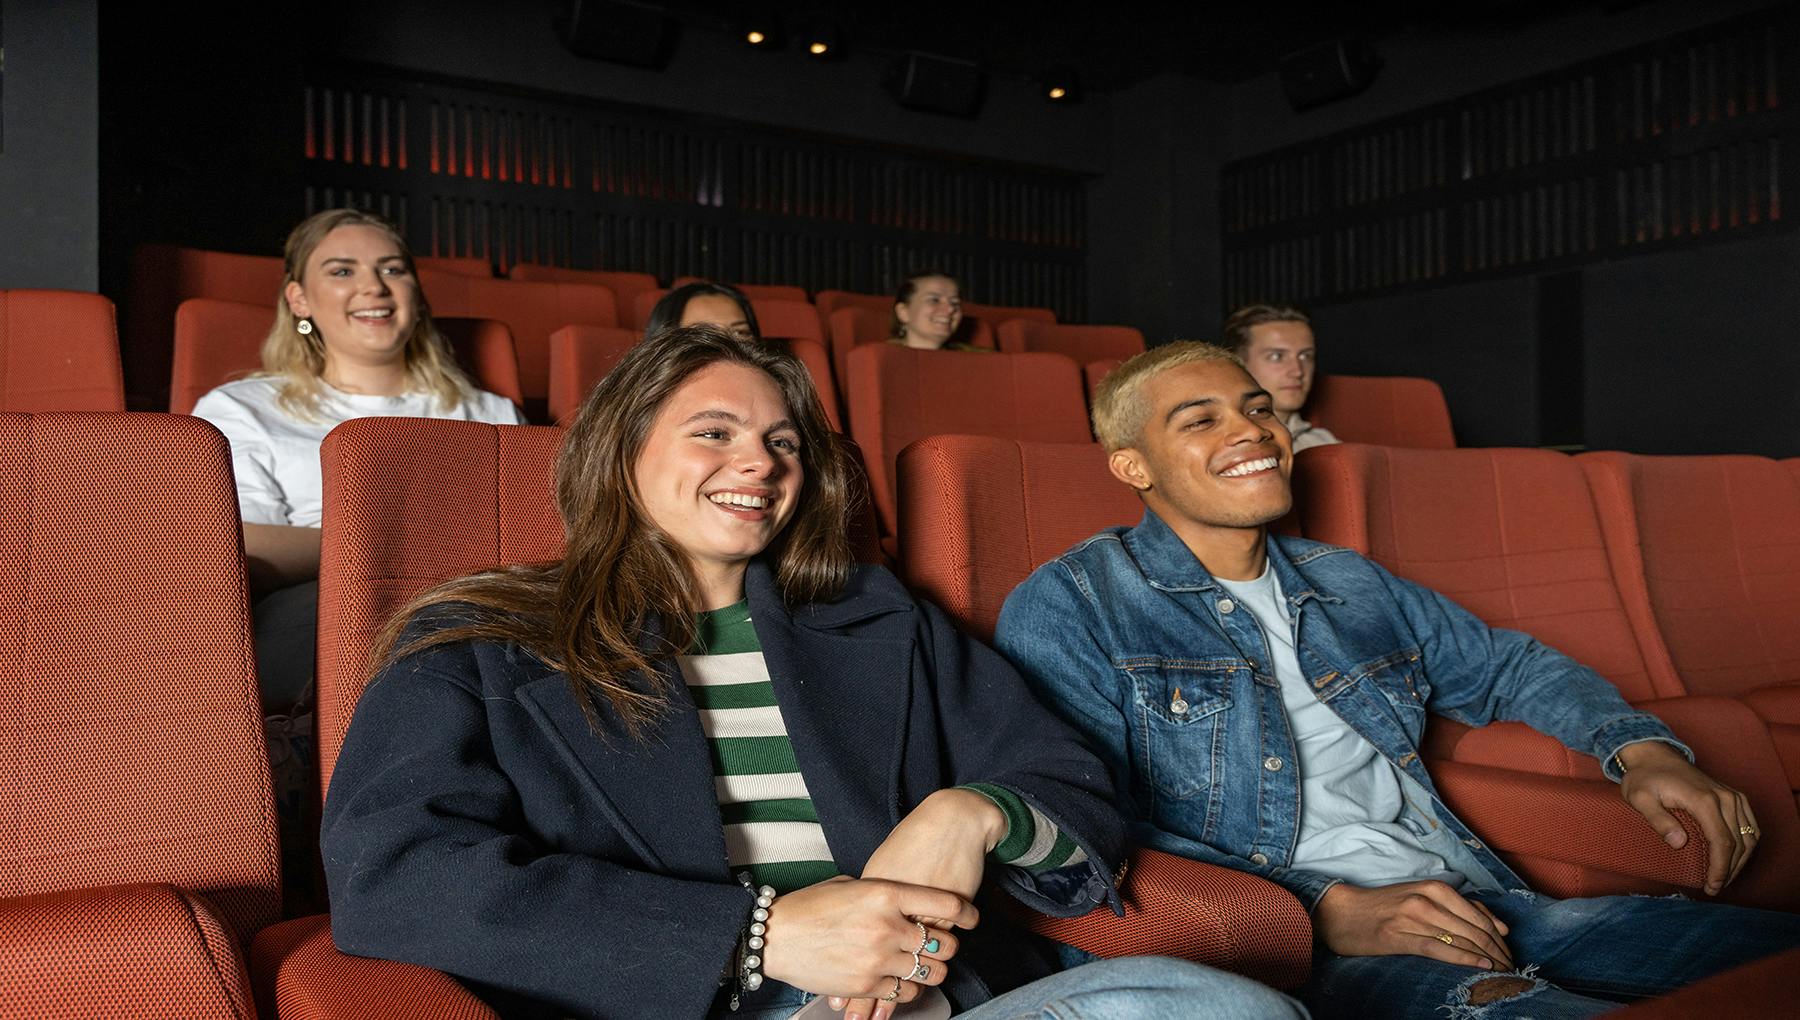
[
  {"x": 622, "y": 32},
  {"x": 937, "y": 84},
  {"x": 1328, "y": 72}
]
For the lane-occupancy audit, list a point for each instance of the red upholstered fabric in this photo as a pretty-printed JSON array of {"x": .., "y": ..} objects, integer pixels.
[
  {"x": 409, "y": 503},
  {"x": 162, "y": 277},
  {"x": 829, "y": 301},
  {"x": 1211, "y": 915},
  {"x": 755, "y": 291},
  {"x": 466, "y": 265},
  {"x": 818, "y": 365},
  {"x": 1083, "y": 343},
  {"x": 1761, "y": 989},
  {"x": 998, "y": 315},
  {"x": 1511, "y": 535},
  {"x": 1094, "y": 371},
  {"x": 129, "y": 951},
  {"x": 897, "y": 395},
  {"x": 130, "y": 734},
  {"x": 300, "y": 975},
  {"x": 1717, "y": 541},
  {"x": 788, "y": 319},
  {"x": 625, "y": 286},
  {"x": 531, "y": 310},
  {"x": 850, "y": 327},
  {"x": 580, "y": 356},
  {"x": 59, "y": 351},
  {"x": 642, "y": 303},
  {"x": 1514, "y": 536},
  {"x": 980, "y": 513},
  {"x": 218, "y": 341},
  {"x": 1386, "y": 410}
]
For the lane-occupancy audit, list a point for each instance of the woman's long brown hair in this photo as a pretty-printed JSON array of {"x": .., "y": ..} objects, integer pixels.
[{"x": 623, "y": 595}]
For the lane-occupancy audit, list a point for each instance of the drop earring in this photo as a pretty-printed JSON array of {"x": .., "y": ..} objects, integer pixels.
[{"x": 304, "y": 327}]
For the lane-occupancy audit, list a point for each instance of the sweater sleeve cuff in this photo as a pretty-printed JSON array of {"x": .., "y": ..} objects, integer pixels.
[{"x": 1032, "y": 841}]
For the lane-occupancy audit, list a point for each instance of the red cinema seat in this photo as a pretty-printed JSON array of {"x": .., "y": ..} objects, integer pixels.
[
  {"x": 1382, "y": 410},
  {"x": 59, "y": 351},
  {"x": 531, "y": 310},
  {"x": 897, "y": 395},
  {"x": 999, "y": 315},
  {"x": 787, "y": 319},
  {"x": 641, "y": 305},
  {"x": 1083, "y": 343},
  {"x": 1094, "y": 371},
  {"x": 979, "y": 515},
  {"x": 1711, "y": 542},
  {"x": 829, "y": 302},
  {"x": 218, "y": 341},
  {"x": 625, "y": 286},
  {"x": 580, "y": 356},
  {"x": 754, "y": 291},
  {"x": 165, "y": 275},
  {"x": 1514, "y": 537},
  {"x": 139, "y": 845},
  {"x": 466, "y": 265}
]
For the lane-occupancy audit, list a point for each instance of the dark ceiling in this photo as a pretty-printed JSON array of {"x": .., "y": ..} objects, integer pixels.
[{"x": 1116, "y": 43}]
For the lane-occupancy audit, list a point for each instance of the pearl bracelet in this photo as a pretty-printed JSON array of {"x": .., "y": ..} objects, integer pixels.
[{"x": 752, "y": 940}]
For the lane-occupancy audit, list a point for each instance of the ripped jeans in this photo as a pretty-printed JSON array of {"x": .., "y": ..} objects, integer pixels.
[{"x": 1582, "y": 957}]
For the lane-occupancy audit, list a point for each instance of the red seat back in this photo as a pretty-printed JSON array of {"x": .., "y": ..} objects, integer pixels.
[
  {"x": 464, "y": 264},
  {"x": 132, "y": 734},
  {"x": 828, "y": 302},
  {"x": 999, "y": 315},
  {"x": 1082, "y": 343},
  {"x": 625, "y": 286},
  {"x": 580, "y": 356},
  {"x": 1511, "y": 535},
  {"x": 390, "y": 533},
  {"x": 165, "y": 275},
  {"x": 59, "y": 351},
  {"x": 1714, "y": 540},
  {"x": 531, "y": 310},
  {"x": 218, "y": 341},
  {"x": 981, "y": 513},
  {"x": 1383, "y": 410},
  {"x": 787, "y": 319},
  {"x": 898, "y": 395}
]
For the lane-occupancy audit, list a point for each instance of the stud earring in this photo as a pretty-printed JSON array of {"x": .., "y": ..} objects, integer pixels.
[{"x": 304, "y": 326}]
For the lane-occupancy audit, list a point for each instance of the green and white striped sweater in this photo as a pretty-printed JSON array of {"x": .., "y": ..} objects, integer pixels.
[{"x": 771, "y": 828}]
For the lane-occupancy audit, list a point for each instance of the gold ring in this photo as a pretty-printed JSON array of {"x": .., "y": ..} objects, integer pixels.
[
  {"x": 1446, "y": 938},
  {"x": 895, "y": 994},
  {"x": 1746, "y": 830}
]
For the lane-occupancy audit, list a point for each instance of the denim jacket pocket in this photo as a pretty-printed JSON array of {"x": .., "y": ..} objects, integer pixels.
[
  {"x": 1180, "y": 706},
  {"x": 1401, "y": 680}
]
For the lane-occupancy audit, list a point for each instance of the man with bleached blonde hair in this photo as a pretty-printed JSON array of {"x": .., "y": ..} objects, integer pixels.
[{"x": 1261, "y": 699}]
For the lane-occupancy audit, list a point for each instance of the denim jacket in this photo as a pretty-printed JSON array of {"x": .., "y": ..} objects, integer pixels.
[{"x": 1132, "y": 641}]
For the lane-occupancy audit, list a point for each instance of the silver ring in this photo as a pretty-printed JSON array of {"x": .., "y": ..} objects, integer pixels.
[
  {"x": 921, "y": 970},
  {"x": 895, "y": 994},
  {"x": 924, "y": 937}
]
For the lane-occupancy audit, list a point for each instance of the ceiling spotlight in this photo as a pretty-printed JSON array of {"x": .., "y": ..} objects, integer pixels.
[
  {"x": 1062, "y": 85},
  {"x": 761, "y": 30},
  {"x": 823, "y": 42}
]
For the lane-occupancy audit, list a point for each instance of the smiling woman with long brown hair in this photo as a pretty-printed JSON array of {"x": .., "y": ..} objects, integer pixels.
[{"x": 706, "y": 765}]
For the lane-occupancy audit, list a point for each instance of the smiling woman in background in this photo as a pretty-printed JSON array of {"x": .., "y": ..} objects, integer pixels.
[{"x": 928, "y": 312}]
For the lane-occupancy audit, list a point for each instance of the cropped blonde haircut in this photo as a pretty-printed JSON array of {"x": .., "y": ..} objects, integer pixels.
[
  {"x": 297, "y": 360},
  {"x": 1120, "y": 411}
]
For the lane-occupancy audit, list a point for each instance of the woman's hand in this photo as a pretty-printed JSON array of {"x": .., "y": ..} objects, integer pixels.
[
  {"x": 942, "y": 844},
  {"x": 1418, "y": 918},
  {"x": 853, "y": 938}
]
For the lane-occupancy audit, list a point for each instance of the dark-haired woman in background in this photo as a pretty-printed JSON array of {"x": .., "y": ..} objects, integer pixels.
[
  {"x": 703, "y": 301},
  {"x": 707, "y": 766},
  {"x": 928, "y": 312}
]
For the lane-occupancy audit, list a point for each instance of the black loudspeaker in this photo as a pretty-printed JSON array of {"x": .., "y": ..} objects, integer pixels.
[
  {"x": 937, "y": 84},
  {"x": 1327, "y": 72},
  {"x": 625, "y": 33}
]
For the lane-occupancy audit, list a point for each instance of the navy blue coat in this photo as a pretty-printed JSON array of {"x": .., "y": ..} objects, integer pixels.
[{"x": 478, "y": 824}]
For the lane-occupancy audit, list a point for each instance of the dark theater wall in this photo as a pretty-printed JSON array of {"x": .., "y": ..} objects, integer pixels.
[{"x": 49, "y": 146}]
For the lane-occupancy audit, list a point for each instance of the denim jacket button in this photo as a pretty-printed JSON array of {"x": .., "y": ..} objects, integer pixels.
[
  {"x": 1226, "y": 606},
  {"x": 1259, "y": 859},
  {"x": 1272, "y": 763}
]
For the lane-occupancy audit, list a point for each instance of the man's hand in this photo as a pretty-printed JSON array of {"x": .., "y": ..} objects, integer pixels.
[
  {"x": 1412, "y": 918},
  {"x": 1658, "y": 780}
]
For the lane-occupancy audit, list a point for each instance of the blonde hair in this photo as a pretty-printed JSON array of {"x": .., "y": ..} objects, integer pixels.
[
  {"x": 297, "y": 360},
  {"x": 1120, "y": 411}
]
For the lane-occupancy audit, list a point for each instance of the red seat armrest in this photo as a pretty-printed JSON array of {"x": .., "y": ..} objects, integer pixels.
[{"x": 300, "y": 975}]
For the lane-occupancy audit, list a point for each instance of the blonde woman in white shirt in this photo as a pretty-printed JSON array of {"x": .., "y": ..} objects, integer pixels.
[{"x": 352, "y": 338}]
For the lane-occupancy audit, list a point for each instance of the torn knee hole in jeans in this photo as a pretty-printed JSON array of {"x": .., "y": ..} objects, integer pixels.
[{"x": 1470, "y": 999}]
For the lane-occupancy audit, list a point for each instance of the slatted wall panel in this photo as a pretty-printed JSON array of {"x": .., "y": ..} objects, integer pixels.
[
  {"x": 471, "y": 171},
  {"x": 1675, "y": 143}
]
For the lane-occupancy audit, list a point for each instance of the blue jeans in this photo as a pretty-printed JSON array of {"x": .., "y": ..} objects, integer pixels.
[
  {"x": 1131, "y": 988},
  {"x": 1582, "y": 957}
]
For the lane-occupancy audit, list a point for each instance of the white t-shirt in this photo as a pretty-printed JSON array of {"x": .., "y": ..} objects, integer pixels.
[
  {"x": 275, "y": 456},
  {"x": 1350, "y": 798}
]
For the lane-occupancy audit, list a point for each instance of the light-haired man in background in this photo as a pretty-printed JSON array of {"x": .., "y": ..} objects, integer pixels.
[{"x": 1275, "y": 342}]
